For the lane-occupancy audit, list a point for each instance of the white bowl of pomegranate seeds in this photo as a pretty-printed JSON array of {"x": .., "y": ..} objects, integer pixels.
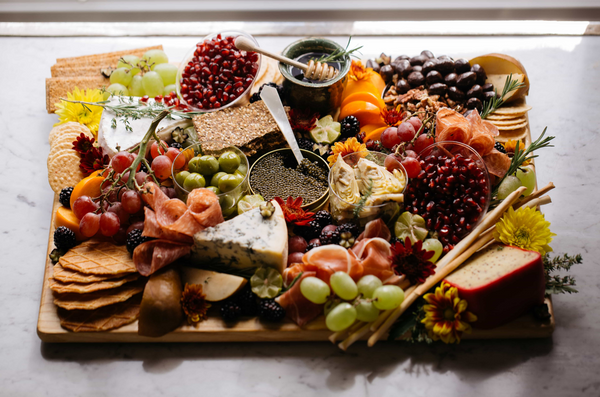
[{"x": 215, "y": 75}]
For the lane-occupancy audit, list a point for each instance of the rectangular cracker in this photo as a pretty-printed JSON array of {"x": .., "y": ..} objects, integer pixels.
[{"x": 59, "y": 87}]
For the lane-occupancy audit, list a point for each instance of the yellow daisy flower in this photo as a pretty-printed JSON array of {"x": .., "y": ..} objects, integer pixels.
[
  {"x": 446, "y": 315},
  {"x": 344, "y": 148},
  {"x": 525, "y": 228},
  {"x": 87, "y": 115}
]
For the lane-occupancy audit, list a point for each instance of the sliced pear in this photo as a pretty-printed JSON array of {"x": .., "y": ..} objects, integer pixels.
[
  {"x": 217, "y": 286},
  {"x": 498, "y": 81},
  {"x": 499, "y": 64}
]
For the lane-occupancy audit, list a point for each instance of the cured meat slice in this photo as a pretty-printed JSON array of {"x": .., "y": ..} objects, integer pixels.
[
  {"x": 482, "y": 140},
  {"x": 155, "y": 197},
  {"x": 297, "y": 307},
  {"x": 376, "y": 228},
  {"x": 204, "y": 206},
  {"x": 492, "y": 129},
  {"x": 374, "y": 255},
  {"x": 169, "y": 212},
  {"x": 156, "y": 254},
  {"x": 186, "y": 225},
  {"x": 153, "y": 229},
  {"x": 330, "y": 259},
  {"x": 452, "y": 126},
  {"x": 497, "y": 163},
  {"x": 290, "y": 273}
]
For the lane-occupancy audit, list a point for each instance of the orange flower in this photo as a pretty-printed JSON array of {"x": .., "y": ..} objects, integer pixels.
[
  {"x": 359, "y": 72},
  {"x": 194, "y": 304},
  {"x": 344, "y": 148},
  {"x": 392, "y": 117}
]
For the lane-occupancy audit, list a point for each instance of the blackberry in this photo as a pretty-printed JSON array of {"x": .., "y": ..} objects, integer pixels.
[
  {"x": 64, "y": 238},
  {"x": 246, "y": 300},
  {"x": 310, "y": 246},
  {"x": 310, "y": 231},
  {"x": 349, "y": 228},
  {"x": 323, "y": 218},
  {"x": 306, "y": 144},
  {"x": 329, "y": 237},
  {"x": 498, "y": 146},
  {"x": 350, "y": 126},
  {"x": 65, "y": 196},
  {"x": 269, "y": 310},
  {"x": 231, "y": 311},
  {"x": 135, "y": 238},
  {"x": 255, "y": 97},
  {"x": 348, "y": 234},
  {"x": 176, "y": 145}
]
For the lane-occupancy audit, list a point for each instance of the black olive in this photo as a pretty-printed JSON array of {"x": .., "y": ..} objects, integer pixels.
[
  {"x": 444, "y": 57},
  {"x": 474, "y": 103},
  {"x": 487, "y": 87},
  {"x": 445, "y": 65},
  {"x": 478, "y": 70},
  {"x": 475, "y": 92},
  {"x": 387, "y": 72},
  {"x": 462, "y": 65},
  {"x": 373, "y": 65},
  {"x": 429, "y": 66},
  {"x": 437, "y": 89},
  {"x": 455, "y": 94},
  {"x": 417, "y": 68},
  {"x": 416, "y": 79},
  {"x": 434, "y": 77},
  {"x": 402, "y": 67},
  {"x": 427, "y": 54},
  {"x": 418, "y": 60},
  {"x": 402, "y": 86},
  {"x": 487, "y": 95},
  {"x": 401, "y": 57},
  {"x": 450, "y": 79},
  {"x": 466, "y": 80}
]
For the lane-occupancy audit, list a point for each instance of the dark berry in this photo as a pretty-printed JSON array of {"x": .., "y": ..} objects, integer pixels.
[
  {"x": 143, "y": 167},
  {"x": 246, "y": 299},
  {"x": 361, "y": 136},
  {"x": 269, "y": 310},
  {"x": 312, "y": 245},
  {"x": 231, "y": 311},
  {"x": 351, "y": 228},
  {"x": 373, "y": 145},
  {"x": 64, "y": 238},
  {"x": 255, "y": 97},
  {"x": 329, "y": 237},
  {"x": 176, "y": 145},
  {"x": 65, "y": 196},
  {"x": 323, "y": 218},
  {"x": 350, "y": 126},
  {"x": 498, "y": 146},
  {"x": 306, "y": 144},
  {"x": 135, "y": 238},
  {"x": 310, "y": 231}
]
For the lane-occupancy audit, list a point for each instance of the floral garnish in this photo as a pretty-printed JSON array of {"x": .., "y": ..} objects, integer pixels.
[
  {"x": 412, "y": 260},
  {"x": 510, "y": 147},
  {"x": 302, "y": 120},
  {"x": 525, "y": 228},
  {"x": 446, "y": 317},
  {"x": 344, "y": 148},
  {"x": 193, "y": 303},
  {"x": 80, "y": 113},
  {"x": 393, "y": 117},
  {"x": 293, "y": 212},
  {"x": 83, "y": 144},
  {"x": 93, "y": 160},
  {"x": 358, "y": 71}
]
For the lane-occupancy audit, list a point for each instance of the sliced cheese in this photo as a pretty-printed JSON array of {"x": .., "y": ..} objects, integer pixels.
[
  {"x": 246, "y": 241},
  {"x": 498, "y": 81}
]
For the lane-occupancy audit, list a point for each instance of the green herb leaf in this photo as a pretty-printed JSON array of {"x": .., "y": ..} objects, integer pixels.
[
  {"x": 492, "y": 104},
  {"x": 556, "y": 284},
  {"x": 363, "y": 200}
]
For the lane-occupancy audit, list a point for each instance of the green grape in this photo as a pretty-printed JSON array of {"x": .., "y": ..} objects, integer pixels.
[
  {"x": 167, "y": 72},
  {"x": 340, "y": 317},
  {"x": 152, "y": 84},
  {"x": 155, "y": 57},
  {"x": 527, "y": 177},
  {"x": 433, "y": 244},
  {"x": 180, "y": 177},
  {"x": 169, "y": 89},
  {"x": 229, "y": 162},
  {"x": 136, "y": 87},
  {"x": 121, "y": 76},
  {"x": 314, "y": 289},
  {"x": 118, "y": 89},
  {"x": 508, "y": 185},
  {"x": 330, "y": 305},
  {"x": 366, "y": 311},
  {"x": 368, "y": 284},
  {"x": 343, "y": 285},
  {"x": 388, "y": 297},
  {"x": 131, "y": 62}
]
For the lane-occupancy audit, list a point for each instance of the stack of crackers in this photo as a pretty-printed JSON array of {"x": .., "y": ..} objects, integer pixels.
[
  {"x": 63, "y": 161},
  {"x": 96, "y": 287},
  {"x": 511, "y": 120},
  {"x": 84, "y": 72}
]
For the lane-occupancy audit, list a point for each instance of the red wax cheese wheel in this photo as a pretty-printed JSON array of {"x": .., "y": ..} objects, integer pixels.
[{"x": 500, "y": 284}]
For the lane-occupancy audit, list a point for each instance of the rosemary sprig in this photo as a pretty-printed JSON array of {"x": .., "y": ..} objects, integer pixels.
[
  {"x": 339, "y": 54},
  {"x": 494, "y": 103},
  {"x": 363, "y": 200},
  {"x": 556, "y": 284}
]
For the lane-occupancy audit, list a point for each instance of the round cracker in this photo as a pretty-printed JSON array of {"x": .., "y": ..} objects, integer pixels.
[
  {"x": 512, "y": 110},
  {"x": 63, "y": 171},
  {"x": 498, "y": 123},
  {"x": 513, "y": 135},
  {"x": 512, "y": 126},
  {"x": 491, "y": 117},
  {"x": 58, "y": 146},
  {"x": 68, "y": 128}
]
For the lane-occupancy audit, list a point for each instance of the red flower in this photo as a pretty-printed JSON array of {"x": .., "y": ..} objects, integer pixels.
[
  {"x": 83, "y": 144},
  {"x": 302, "y": 120},
  {"x": 412, "y": 261},
  {"x": 293, "y": 212},
  {"x": 392, "y": 117},
  {"x": 93, "y": 160}
]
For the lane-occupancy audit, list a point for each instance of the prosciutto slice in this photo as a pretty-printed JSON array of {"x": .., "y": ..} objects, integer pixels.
[
  {"x": 376, "y": 228},
  {"x": 452, "y": 126},
  {"x": 497, "y": 163},
  {"x": 156, "y": 254},
  {"x": 482, "y": 139},
  {"x": 297, "y": 307}
]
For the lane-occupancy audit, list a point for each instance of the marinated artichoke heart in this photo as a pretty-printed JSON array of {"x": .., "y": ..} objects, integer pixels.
[
  {"x": 386, "y": 186},
  {"x": 344, "y": 182}
]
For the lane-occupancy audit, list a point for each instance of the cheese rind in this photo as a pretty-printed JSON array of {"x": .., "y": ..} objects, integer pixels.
[
  {"x": 500, "y": 284},
  {"x": 246, "y": 241}
]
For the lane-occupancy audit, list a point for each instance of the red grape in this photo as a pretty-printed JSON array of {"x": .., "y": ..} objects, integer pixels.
[
  {"x": 295, "y": 257},
  {"x": 422, "y": 142},
  {"x": 410, "y": 153},
  {"x": 109, "y": 224},
  {"x": 134, "y": 226},
  {"x": 389, "y": 137},
  {"x": 169, "y": 191},
  {"x": 84, "y": 205},
  {"x": 406, "y": 132},
  {"x": 131, "y": 201},
  {"x": 173, "y": 154},
  {"x": 89, "y": 224},
  {"x": 412, "y": 166},
  {"x": 121, "y": 161},
  {"x": 155, "y": 150},
  {"x": 161, "y": 166},
  {"x": 141, "y": 178},
  {"x": 391, "y": 163},
  {"x": 416, "y": 123},
  {"x": 120, "y": 237},
  {"x": 297, "y": 244},
  {"x": 117, "y": 208}
]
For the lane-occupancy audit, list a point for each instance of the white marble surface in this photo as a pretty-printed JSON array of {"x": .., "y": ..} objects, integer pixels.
[{"x": 565, "y": 81}]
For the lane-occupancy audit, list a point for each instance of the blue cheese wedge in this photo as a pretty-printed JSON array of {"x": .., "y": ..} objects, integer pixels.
[{"x": 246, "y": 241}]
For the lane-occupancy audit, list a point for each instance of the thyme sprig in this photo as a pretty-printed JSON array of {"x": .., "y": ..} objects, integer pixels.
[
  {"x": 339, "y": 54},
  {"x": 556, "y": 284},
  {"x": 494, "y": 103},
  {"x": 363, "y": 200}
]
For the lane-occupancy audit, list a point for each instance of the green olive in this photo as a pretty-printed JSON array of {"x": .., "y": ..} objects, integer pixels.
[
  {"x": 228, "y": 205},
  {"x": 180, "y": 177},
  {"x": 214, "y": 189},
  {"x": 194, "y": 181},
  {"x": 194, "y": 165},
  {"x": 229, "y": 182},
  {"x": 208, "y": 165},
  {"x": 214, "y": 181},
  {"x": 229, "y": 162},
  {"x": 240, "y": 174}
]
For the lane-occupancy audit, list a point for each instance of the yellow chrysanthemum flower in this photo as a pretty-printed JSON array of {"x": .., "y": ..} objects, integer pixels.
[
  {"x": 342, "y": 149},
  {"x": 446, "y": 315},
  {"x": 525, "y": 228},
  {"x": 87, "y": 115}
]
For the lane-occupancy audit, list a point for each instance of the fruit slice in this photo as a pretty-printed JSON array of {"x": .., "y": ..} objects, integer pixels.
[
  {"x": 65, "y": 217},
  {"x": 89, "y": 186},
  {"x": 354, "y": 86},
  {"x": 503, "y": 64},
  {"x": 364, "y": 96},
  {"x": 249, "y": 202},
  {"x": 365, "y": 112},
  {"x": 375, "y": 134},
  {"x": 376, "y": 79},
  {"x": 411, "y": 226},
  {"x": 217, "y": 286},
  {"x": 266, "y": 282},
  {"x": 326, "y": 130}
]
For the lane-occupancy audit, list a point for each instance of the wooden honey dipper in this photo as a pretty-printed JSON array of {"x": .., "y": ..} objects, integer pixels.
[{"x": 314, "y": 70}]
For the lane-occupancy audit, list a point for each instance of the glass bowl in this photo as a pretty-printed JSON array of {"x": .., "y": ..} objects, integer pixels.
[
  {"x": 345, "y": 212},
  {"x": 243, "y": 98},
  {"x": 228, "y": 200}
]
